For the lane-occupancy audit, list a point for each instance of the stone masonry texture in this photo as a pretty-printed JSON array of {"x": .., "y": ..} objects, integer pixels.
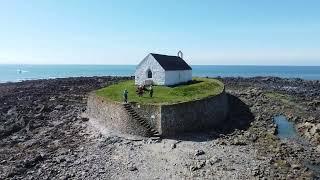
[{"x": 168, "y": 120}]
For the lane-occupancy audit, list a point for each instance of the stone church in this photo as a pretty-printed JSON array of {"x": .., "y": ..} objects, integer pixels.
[{"x": 164, "y": 70}]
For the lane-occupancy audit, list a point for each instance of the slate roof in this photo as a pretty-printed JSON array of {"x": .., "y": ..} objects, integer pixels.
[{"x": 171, "y": 63}]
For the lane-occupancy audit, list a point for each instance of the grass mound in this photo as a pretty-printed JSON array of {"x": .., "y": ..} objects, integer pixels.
[{"x": 197, "y": 89}]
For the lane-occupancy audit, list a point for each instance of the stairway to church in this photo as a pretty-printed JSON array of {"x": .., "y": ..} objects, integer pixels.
[{"x": 151, "y": 131}]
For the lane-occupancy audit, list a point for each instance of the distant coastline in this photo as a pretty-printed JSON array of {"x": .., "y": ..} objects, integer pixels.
[{"x": 16, "y": 73}]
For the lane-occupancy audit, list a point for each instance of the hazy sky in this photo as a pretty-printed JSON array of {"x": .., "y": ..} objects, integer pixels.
[{"x": 255, "y": 32}]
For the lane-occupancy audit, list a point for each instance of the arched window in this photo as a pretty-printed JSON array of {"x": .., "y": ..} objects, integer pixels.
[{"x": 149, "y": 73}]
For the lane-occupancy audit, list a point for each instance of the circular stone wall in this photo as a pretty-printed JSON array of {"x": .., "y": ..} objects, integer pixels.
[
  {"x": 168, "y": 120},
  {"x": 112, "y": 115},
  {"x": 195, "y": 115}
]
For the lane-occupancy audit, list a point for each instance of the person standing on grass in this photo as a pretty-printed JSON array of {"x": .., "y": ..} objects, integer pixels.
[
  {"x": 125, "y": 96},
  {"x": 151, "y": 91},
  {"x": 140, "y": 91}
]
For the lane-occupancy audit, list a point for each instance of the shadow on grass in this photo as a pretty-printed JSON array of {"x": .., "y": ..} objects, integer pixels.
[
  {"x": 239, "y": 117},
  {"x": 186, "y": 83}
]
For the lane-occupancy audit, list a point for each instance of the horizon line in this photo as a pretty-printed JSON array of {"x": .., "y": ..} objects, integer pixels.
[{"x": 282, "y": 65}]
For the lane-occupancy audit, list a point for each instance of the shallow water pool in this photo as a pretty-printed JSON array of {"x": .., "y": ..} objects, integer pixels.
[{"x": 286, "y": 129}]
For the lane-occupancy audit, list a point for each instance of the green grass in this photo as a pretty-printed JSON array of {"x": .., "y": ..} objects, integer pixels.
[
  {"x": 282, "y": 97},
  {"x": 200, "y": 88},
  {"x": 285, "y": 99}
]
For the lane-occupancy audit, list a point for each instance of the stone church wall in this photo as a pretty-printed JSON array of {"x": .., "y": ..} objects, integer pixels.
[
  {"x": 176, "y": 77},
  {"x": 158, "y": 73}
]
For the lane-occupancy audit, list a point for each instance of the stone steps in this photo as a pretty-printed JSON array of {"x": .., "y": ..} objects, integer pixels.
[{"x": 142, "y": 121}]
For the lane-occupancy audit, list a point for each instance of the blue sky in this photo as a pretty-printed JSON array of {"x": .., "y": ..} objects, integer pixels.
[{"x": 224, "y": 32}]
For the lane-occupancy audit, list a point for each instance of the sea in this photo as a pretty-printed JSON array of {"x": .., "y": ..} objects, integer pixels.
[{"x": 16, "y": 73}]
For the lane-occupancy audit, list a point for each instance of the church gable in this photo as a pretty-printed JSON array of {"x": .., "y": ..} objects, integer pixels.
[
  {"x": 149, "y": 70},
  {"x": 148, "y": 60}
]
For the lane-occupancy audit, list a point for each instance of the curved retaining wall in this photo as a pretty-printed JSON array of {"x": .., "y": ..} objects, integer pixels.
[
  {"x": 195, "y": 115},
  {"x": 112, "y": 115},
  {"x": 168, "y": 120}
]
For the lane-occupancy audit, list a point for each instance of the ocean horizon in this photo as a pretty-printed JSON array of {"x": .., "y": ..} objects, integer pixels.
[{"x": 16, "y": 73}]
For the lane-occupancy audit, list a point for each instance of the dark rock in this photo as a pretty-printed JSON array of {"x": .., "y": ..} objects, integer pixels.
[
  {"x": 16, "y": 171},
  {"x": 84, "y": 119},
  {"x": 199, "y": 152},
  {"x": 28, "y": 163},
  {"x": 173, "y": 146},
  {"x": 295, "y": 166},
  {"x": 198, "y": 166},
  {"x": 3, "y": 162},
  {"x": 213, "y": 161},
  {"x": 132, "y": 168},
  {"x": 253, "y": 137},
  {"x": 59, "y": 107},
  {"x": 238, "y": 142},
  {"x": 12, "y": 111},
  {"x": 256, "y": 171},
  {"x": 193, "y": 168}
]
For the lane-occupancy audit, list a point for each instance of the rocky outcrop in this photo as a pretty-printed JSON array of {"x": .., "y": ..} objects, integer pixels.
[
  {"x": 40, "y": 121},
  {"x": 311, "y": 131},
  {"x": 44, "y": 136}
]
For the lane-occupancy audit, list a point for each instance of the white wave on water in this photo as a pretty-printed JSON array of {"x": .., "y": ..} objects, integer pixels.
[{"x": 20, "y": 71}]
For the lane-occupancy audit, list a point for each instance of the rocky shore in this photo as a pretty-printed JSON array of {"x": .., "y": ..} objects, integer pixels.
[{"x": 43, "y": 135}]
